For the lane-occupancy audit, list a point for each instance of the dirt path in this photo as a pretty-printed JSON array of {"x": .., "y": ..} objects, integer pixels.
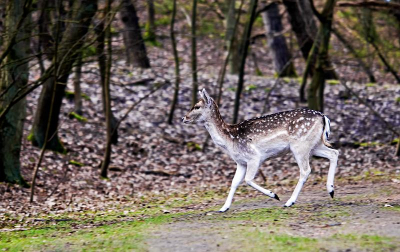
[{"x": 361, "y": 218}]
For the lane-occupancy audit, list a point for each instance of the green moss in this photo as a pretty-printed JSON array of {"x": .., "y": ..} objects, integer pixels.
[
  {"x": 397, "y": 100},
  {"x": 333, "y": 82},
  {"x": 30, "y": 137},
  {"x": 193, "y": 146},
  {"x": 258, "y": 72},
  {"x": 162, "y": 21},
  {"x": 370, "y": 84},
  {"x": 77, "y": 117},
  {"x": 367, "y": 144},
  {"x": 73, "y": 162},
  {"x": 250, "y": 87},
  {"x": 71, "y": 95}
]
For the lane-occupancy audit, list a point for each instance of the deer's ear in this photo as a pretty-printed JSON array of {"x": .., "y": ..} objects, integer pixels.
[
  {"x": 207, "y": 98},
  {"x": 201, "y": 95}
]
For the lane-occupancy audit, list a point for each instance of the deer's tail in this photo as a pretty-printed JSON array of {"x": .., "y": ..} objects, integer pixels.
[{"x": 326, "y": 132}]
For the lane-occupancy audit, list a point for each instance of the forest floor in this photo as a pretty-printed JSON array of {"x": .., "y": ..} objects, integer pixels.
[{"x": 365, "y": 216}]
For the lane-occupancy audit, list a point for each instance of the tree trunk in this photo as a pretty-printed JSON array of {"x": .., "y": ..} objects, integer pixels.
[
  {"x": 69, "y": 48},
  {"x": 13, "y": 76},
  {"x": 277, "y": 42},
  {"x": 102, "y": 59},
  {"x": 150, "y": 25},
  {"x": 133, "y": 34},
  {"x": 107, "y": 102},
  {"x": 243, "y": 52},
  {"x": 316, "y": 89},
  {"x": 194, "y": 54},
  {"x": 176, "y": 59},
  {"x": 299, "y": 27},
  {"x": 231, "y": 38}
]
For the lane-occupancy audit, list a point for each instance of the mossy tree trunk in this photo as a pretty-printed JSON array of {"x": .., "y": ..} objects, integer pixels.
[
  {"x": 277, "y": 42},
  {"x": 150, "y": 25},
  {"x": 69, "y": 48},
  {"x": 133, "y": 36},
  {"x": 13, "y": 76},
  {"x": 316, "y": 89}
]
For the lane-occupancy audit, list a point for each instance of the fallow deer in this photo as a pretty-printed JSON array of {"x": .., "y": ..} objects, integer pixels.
[{"x": 304, "y": 132}]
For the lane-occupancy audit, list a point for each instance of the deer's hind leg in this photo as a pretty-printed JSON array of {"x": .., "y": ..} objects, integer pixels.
[
  {"x": 323, "y": 151},
  {"x": 302, "y": 157},
  {"x": 252, "y": 168}
]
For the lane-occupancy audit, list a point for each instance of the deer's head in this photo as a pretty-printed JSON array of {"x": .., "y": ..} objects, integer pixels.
[{"x": 201, "y": 111}]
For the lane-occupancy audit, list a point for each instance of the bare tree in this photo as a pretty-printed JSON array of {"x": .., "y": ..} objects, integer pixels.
[{"x": 69, "y": 48}]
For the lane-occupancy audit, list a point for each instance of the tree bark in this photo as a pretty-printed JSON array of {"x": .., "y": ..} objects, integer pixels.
[
  {"x": 107, "y": 102},
  {"x": 102, "y": 59},
  {"x": 176, "y": 59},
  {"x": 194, "y": 54},
  {"x": 243, "y": 52},
  {"x": 69, "y": 48},
  {"x": 133, "y": 35},
  {"x": 277, "y": 42},
  {"x": 316, "y": 89},
  {"x": 13, "y": 76}
]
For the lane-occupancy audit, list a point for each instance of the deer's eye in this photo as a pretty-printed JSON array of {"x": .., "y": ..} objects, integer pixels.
[{"x": 196, "y": 107}]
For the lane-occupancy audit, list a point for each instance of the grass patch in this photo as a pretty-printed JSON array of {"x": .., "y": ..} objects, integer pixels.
[{"x": 121, "y": 236}]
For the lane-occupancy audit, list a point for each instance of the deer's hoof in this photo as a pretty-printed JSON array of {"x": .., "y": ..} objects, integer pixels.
[
  {"x": 288, "y": 204},
  {"x": 223, "y": 211},
  {"x": 332, "y": 194},
  {"x": 276, "y": 197}
]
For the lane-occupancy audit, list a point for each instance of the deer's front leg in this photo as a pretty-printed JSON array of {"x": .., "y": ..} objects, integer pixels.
[
  {"x": 237, "y": 179},
  {"x": 252, "y": 168}
]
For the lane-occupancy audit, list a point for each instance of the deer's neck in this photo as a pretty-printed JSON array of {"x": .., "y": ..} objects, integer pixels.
[{"x": 219, "y": 131}]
